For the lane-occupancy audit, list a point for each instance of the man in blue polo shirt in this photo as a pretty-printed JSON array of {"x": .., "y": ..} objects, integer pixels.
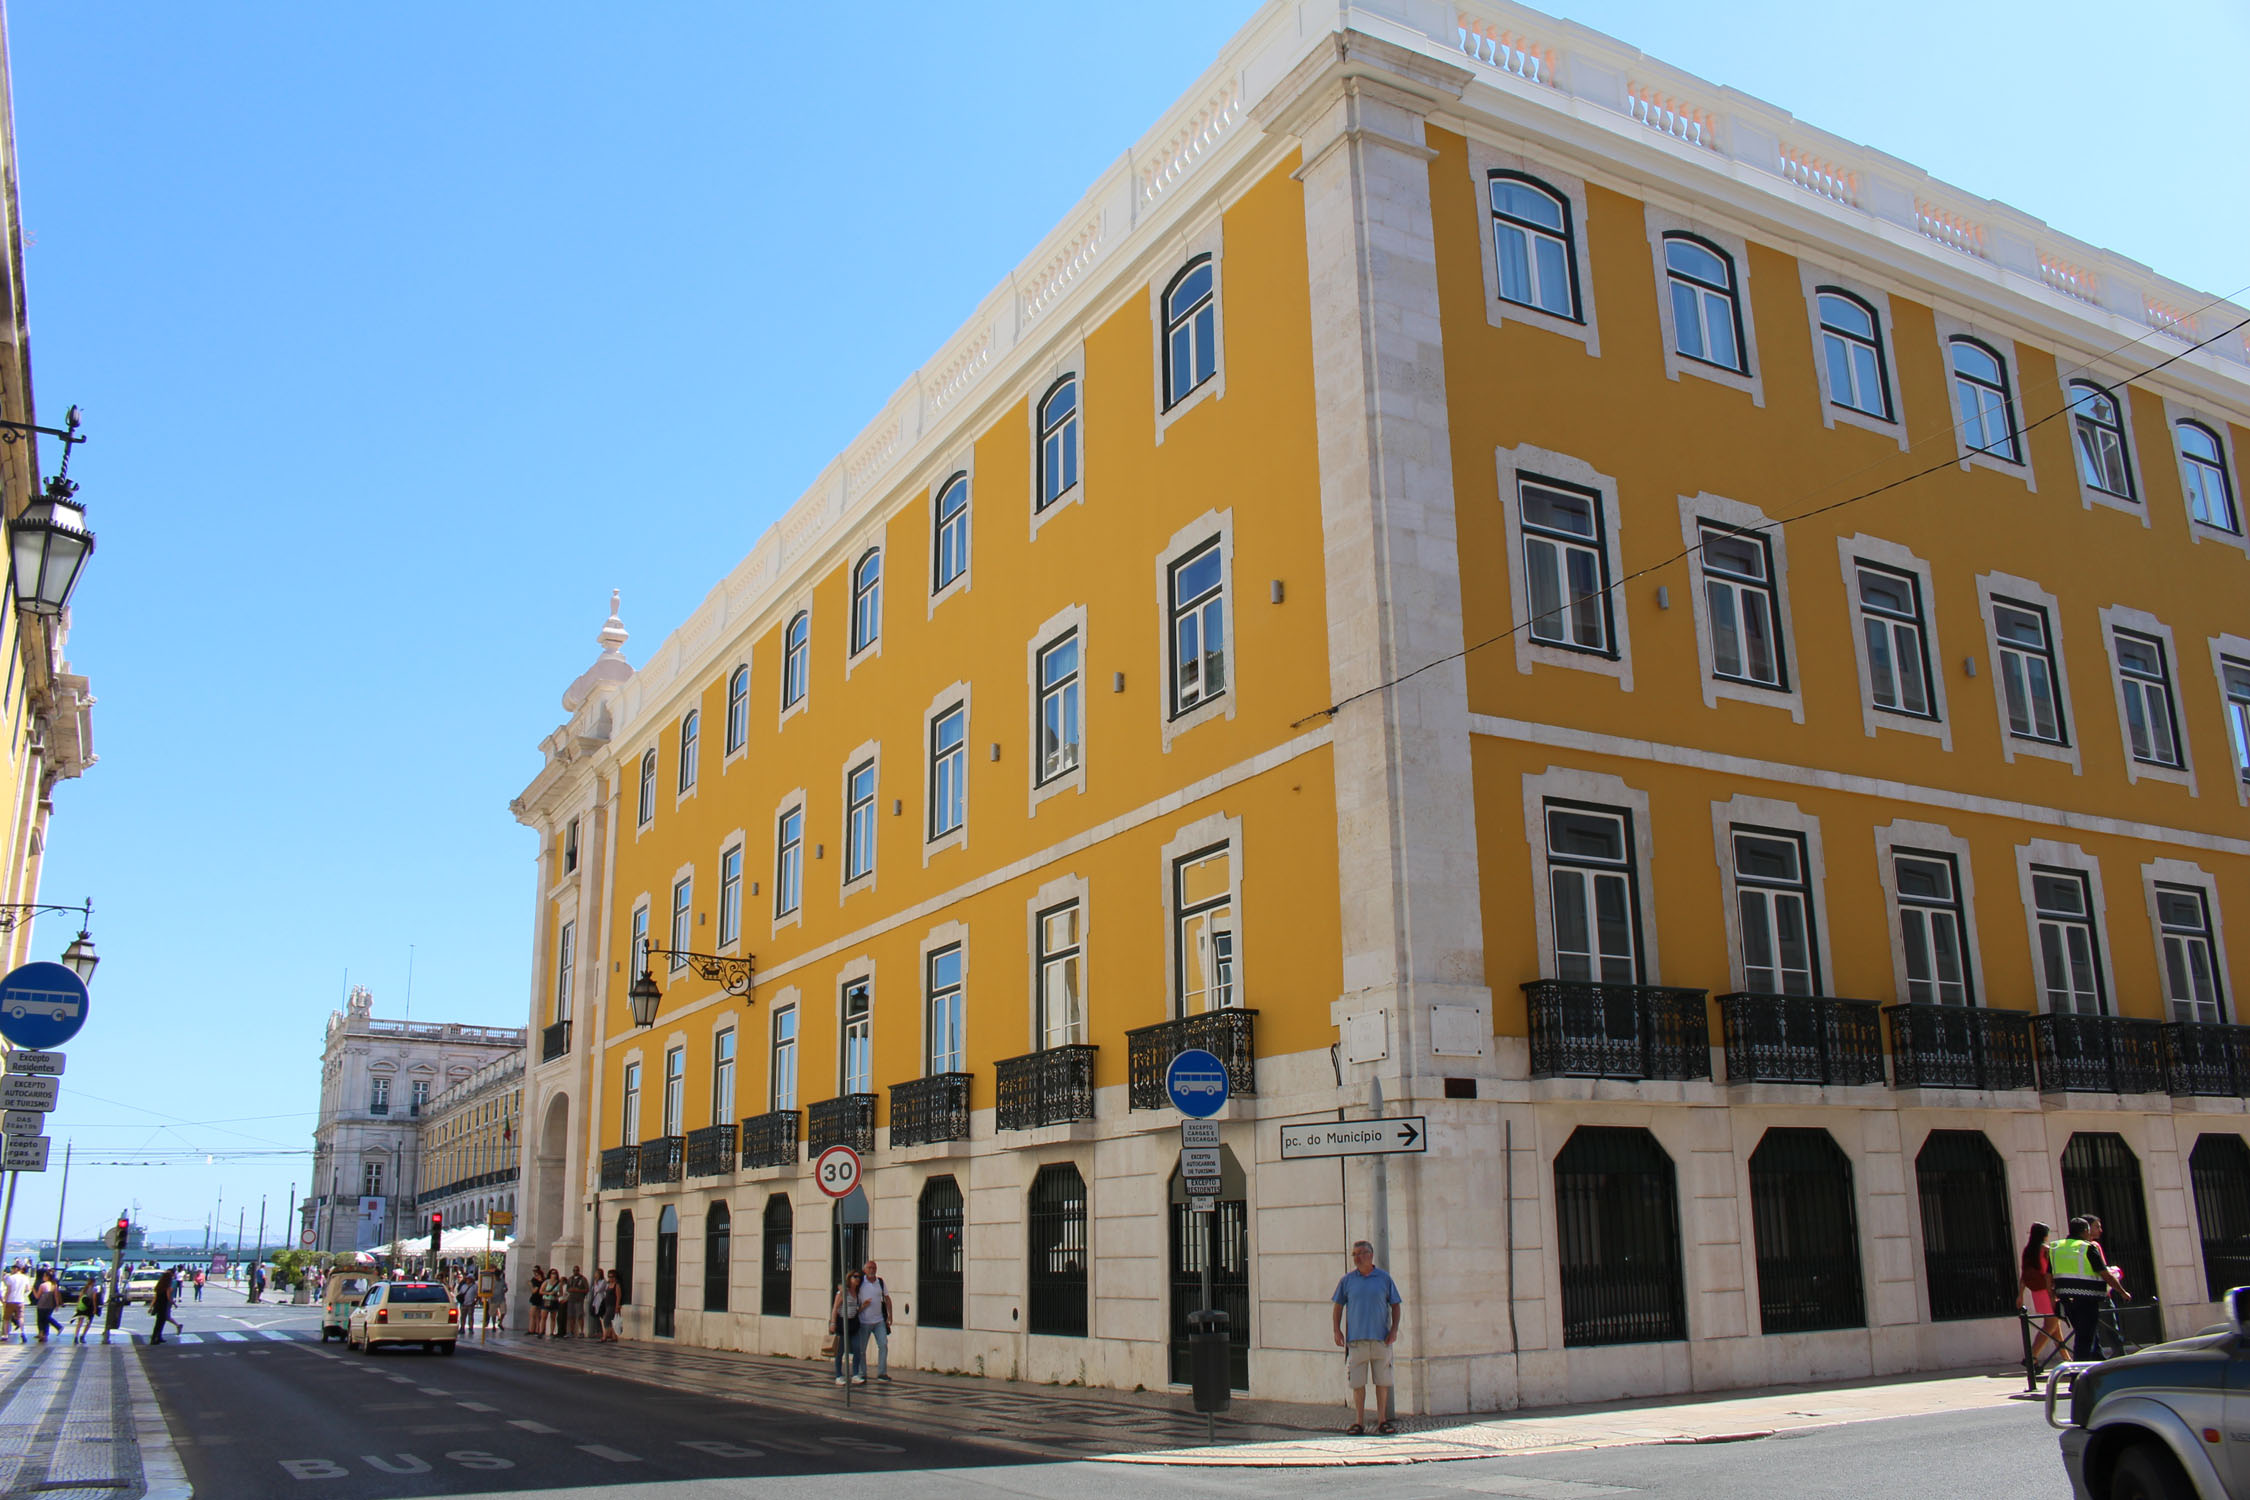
[{"x": 1365, "y": 1320}]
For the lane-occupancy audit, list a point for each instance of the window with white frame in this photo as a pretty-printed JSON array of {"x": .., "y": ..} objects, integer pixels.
[
  {"x": 950, "y": 547},
  {"x": 1061, "y": 1020},
  {"x": 1058, "y": 727},
  {"x": 859, "y": 821},
  {"x": 566, "y": 953},
  {"x": 942, "y": 991},
  {"x": 1773, "y": 893},
  {"x": 1566, "y": 567},
  {"x": 648, "y": 788},
  {"x": 789, "y": 862},
  {"x": 2070, "y": 977},
  {"x": 2191, "y": 969},
  {"x": 675, "y": 1090},
  {"x": 640, "y": 940},
  {"x": 1197, "y": 588},
  {"x": 1534, "y": 245},
  {"x": 1898, "y": 657},
  {"x": 949, "y": 770},
  {"x": 379, "y": 1096},
  {"x": 1058, "y": 442},
  {"x": 1980, "y": 389},
  {"x": 631, "y": 1113},
  {"x": 1203, "y": 930},
  {"x": 371, "y": 1179},
  {"x": 1852, "y": 345},
  {"x": 1592, "y": 893},
  {"x": 1191, "y": 330},
  {"x": 738, "y": 709},
  {"x": 1745, "y": 609},
  {"x": 867, "y": 600},
  {"x": 2097, "y": 434},
  {"x": 2030, "y": 680},
  {"x": 1706, "y": 305},
  {"x": 2203, "y": 473},
  {"x": 2144, "y": 676},
  {"x": 730, "y": 896},
  {"x": 722, "y": 1077},
  {"x": 1933, "y": 927},
  {"x": 796, "y": 655},
  {"x": 855, "y": 1063},
  {"x": 683, "y": 916},
  {"x": 782, "y": 1072},
  {"x": 691, "y": 725},
  {"x": 2236, "y": 675}
]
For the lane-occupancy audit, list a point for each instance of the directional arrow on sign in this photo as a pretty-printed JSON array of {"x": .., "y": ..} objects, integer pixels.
[{"x": 1355, "y": 1138}]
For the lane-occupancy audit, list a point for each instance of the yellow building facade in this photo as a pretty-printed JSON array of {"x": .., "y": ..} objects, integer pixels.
[{"x": 1704, "y": 666}]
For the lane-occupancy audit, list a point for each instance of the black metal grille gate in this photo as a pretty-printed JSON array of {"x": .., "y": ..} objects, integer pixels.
[
  {"x": 1617, "y": 1208},
  {"x": 780, "y": 1227},
  {"x": 1807, "y": 1230},
  {"x": 2102, "y": 1177},
  {"x": 1230, "y": 1284},
  {"x": 718, "y": 1256},
  {"x": 625, "y": 1257},
  {"x": 1968, "y": 1248},
  {"x": 2219, "y": 1166},
  {"x": 1057, "y": 1221},
  {"x": 937, "y": 1270},
  {"x": 667, "y": 1270}
]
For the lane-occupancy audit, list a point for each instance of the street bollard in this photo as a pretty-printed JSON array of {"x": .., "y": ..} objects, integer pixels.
[{"x": 1210, "y": 1352}]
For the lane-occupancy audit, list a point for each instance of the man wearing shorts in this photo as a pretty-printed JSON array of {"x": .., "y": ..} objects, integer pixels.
[{"x": 1365, "y": 1321}]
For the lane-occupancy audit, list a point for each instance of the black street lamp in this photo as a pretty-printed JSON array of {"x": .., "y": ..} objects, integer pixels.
[
  {"x": 644, "y": 997},
  {"x": 733, "y": 975},
  {"x": 49, "y": 539},
  {"x": 80, "y": 957}
]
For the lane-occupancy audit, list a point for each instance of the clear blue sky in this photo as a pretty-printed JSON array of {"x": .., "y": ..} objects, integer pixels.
[{"x": 407, "y": 332}]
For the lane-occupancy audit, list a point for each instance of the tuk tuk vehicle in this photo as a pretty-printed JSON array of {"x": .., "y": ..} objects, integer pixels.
[{"x": 344, "y": 1292}]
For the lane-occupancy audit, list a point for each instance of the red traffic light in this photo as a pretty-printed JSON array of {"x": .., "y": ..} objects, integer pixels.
[{"x": 437, "y": 1231}]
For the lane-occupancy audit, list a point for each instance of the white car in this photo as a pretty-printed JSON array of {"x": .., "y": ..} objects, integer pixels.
[
  {"x": 405, "y": 1312},
  {"x": 140, "y": 1287}
]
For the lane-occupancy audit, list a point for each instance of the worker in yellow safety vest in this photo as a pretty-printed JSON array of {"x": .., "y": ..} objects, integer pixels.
[{"x": 2083, "y": 1282}]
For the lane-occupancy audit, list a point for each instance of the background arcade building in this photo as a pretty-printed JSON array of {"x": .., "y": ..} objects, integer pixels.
[{"x": 1331, "y": 606}]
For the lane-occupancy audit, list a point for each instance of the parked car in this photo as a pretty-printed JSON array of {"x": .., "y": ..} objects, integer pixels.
[
  {"x": 405, "y": 1312},
  {"x": 2153, "y": 1425}
]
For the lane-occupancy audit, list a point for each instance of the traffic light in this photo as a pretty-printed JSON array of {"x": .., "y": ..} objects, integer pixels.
[
  {"x": 437, "y": 1232},
  {"x": 115, "y": 1238}
]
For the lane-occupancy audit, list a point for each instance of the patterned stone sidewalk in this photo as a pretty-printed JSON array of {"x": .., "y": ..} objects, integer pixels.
[{"x": 78, "y": 1421}]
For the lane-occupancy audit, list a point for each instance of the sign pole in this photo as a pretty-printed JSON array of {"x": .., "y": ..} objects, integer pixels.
[
  {"x": 62, "y": 1199},
  {"x": 8, "y": 1214}
]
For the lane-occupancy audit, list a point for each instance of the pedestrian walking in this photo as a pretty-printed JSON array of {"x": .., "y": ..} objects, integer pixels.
[
  {"x": 844, "y": 1334},
  {"x": 875, "y": 1321},
  {"x": 2035, "y": 1281},
  {"x": 199, "y": 1286},
  {"x": 1364, "y": 1318},
  {"x": 15, "y": 1290},
  {"x": 465, "y": 1297},
  {"x": 89, "y": 1308},
  {"x": 574, "y": 1313},
  {"x": 612, "y": 1292},
  {"x": 160, "y": 1303},
  {"x": 496, "y": 1315},
  {"x": 46, "y": 1298},
  {"x": 2083, "y": 1281}
]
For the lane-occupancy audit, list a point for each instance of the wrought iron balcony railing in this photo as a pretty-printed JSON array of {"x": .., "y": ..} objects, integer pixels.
[
  {"x": 1812, "y": 1039},
  {"x": 1630, "y": 1031},
  {"x": 928, "y": 1110},
  {"x": 2207, "y": 1058},
  {"x": 1225, "y": 1034},
  {"x": 710, "y": 1151},
  {"x": 660, "y": 1158},
  {"x": 554, "y": 1041},
  {"x": 1052, "y": 1087},
  {"x": 2098, "y": 1054},
  {"x": 621, "y": 1168},
  {"x": 846, "y": 1120},
  {"x": 1959, "y": 1047},
  {"x": 770, "y": 1139}
]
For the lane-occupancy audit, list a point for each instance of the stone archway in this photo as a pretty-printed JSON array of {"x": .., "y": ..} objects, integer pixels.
[{"x": 548, "y": 1175}]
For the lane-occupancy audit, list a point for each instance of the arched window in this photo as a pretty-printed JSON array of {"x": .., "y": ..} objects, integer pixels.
[
  {"x": 867, "y": 600},
  {"x": 950, "y": 545},
  {"x": 718, "y": 1256},
  {"x": 2101, "y": 1178},
  {"x": 690, "y": 726},
  {"x": 738, "y": 709},
  {"x": 1533, "y": 245},
  {"x": 2219, "y": 1166},
  {"x": 773, "y": 1293},
  {"x": 1968, "y": 1248},
  {"x": 2097, "y": 431},
  {"x": 1807, "y": 1232},
  {"x": 648, "y": 788},
  {"x": 1058, "y": 441},
  {"x": 1706, "y": 304},
  {"x": 1617, "y": 1214},
  {"x": 940, "y": 1223},
  {"x": 795, "y": 646},
  {"x": 1851, "y": 344},
  {"x": 2203, "y": 472},
  {"x": 625, "y": 1257},
  {"x": 1057, "y": 1224},
  {"x": 1980, "y": 387},
  {"x": 1191, "y": 330},
  {"x": 667, "y": 1271}
]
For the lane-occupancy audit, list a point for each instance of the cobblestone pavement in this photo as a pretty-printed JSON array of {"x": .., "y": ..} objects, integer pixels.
[{"x": 67, "y": 1423}]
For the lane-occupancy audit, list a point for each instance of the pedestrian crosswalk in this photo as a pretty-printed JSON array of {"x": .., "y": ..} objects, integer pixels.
[{"x": 214, "y": 1336}]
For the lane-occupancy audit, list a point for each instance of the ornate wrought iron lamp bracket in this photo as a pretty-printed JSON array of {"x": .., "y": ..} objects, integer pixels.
[{"x": 734, "y": 975}]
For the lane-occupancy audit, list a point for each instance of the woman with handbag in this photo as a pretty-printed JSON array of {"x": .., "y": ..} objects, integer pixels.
[
  {"x": 534, "y": 1309},
  {"x": 844, "y": 1332}
]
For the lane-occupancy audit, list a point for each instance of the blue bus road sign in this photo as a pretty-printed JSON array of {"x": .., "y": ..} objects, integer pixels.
[
  {"x": 1197, "y": 1082},
  {"x": 42, "y": 1005}
]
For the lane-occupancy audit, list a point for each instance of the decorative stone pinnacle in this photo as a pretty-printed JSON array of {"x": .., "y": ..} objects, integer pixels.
[{"x": 613, "y": 635}]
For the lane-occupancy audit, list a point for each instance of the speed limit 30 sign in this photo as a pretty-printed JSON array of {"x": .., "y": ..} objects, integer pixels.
[{"x": 836, "y": 1171}]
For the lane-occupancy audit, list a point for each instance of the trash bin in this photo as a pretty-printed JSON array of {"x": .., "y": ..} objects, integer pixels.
[{"x": 1210, "y": 1352}]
